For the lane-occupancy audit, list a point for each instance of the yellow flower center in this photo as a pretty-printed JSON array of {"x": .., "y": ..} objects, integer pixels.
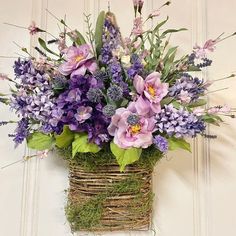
[
  {"x": 151, "y": 90},
  {"x": 135, "y": 128},
  {"x": 79, "y": 58}
]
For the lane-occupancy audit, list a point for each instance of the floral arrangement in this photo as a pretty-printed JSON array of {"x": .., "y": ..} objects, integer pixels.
[{"x": 106, "y": 92}]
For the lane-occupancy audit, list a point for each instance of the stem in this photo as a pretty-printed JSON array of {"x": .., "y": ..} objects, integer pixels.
[
  {"x": 216, "y": 90},
  {"x": 22, "y": 27},
  {"x": 55, "y": 17},
  {"x": 90, "y": 32}
]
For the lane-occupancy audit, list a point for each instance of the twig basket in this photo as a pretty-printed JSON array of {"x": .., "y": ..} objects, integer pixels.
[{"x": 109, "y": 200}]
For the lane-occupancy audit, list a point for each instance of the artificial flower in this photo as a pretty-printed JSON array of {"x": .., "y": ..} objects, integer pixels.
[
  {"x": 78, "y": 61},
  {"x": 151, "y": 89},
  {"x": 127, "y": 135}
]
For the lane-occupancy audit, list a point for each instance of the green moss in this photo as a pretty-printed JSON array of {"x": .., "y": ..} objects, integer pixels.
[
  {"x": 90, "y": 161},
  {"x": 86, "y": 216}
]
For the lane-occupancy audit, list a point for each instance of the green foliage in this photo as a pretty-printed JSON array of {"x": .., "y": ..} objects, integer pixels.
[
  {"x": 66, "y": 138},
  {"x": 90, "y": 32},
  {"x": 200, "y": 102},
  {"x": 98, "y": 32},
  {"x": 44, "y": 46},
  {"x": 170, "y": 31},
  {"x": 175, "y": 143},
  {"x": 79, "y": 40},
  {"x": 193, "y": 68},
  {"x": 81, "y": 144},
  {"x": 39, "y": 141},
  {"x": 212, "y": 119},
  {"x": 125, "y": 157}
]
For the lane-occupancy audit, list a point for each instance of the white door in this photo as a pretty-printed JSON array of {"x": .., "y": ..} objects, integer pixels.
[{"x": 195, "y": 193}]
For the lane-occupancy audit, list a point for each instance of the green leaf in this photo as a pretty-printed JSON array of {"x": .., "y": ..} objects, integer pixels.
[
  {"x": 172, "y": 31},
  {"x": 193, "y": 68},
  {"x": 200, "y": 102},
  {"x": 175, "y": 143},
  {"x": 80, "y": 40},
  {"x": 125, "y": 157},
  {"x": 166, "y": 101},
  {"x": 212, "y": 119},
  {"x": 98, "y": 32},
  {"x": 176, "y": 104},
  {"x": 171, "y": 51},
  {"x": 81, "y": 144},
  {"x": 44, "y": 46},
  {"x": 65, "y": 139},
  {"x": 39, "y": 141},
  {"x": 160, "y": 25}
]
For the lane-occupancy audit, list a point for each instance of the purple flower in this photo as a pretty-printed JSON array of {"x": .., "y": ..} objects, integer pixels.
[
  {"x": 111, "y": 39},
  {"x": 78, "y": 60},
  {"x": 22, "y": 131},
  {"x": 83, "y": 113},
  {"x": 136, "y": 67},
  {"x": 180, "y": 123},
  {"x": 115, "y": 93},
  {"x": 161, "y": 143},
  {"x": 187, "y": 89}
]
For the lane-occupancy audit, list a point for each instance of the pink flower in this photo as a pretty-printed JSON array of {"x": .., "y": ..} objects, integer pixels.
[
  {"x": 198, "y": 111},
  {"x": 3, "y": 77},
  {"x": 155, "y": 13},
  {"x": 209, "y": 46},
  {"x": 83, "y": 113},
  {"x": 225, "y": 109},
  {"x": 135, "y": 2},
  {"x": 33, "y": 29},
  {"x": 42, "y": 154},
  {"x": 138, "y": 26},
  {"x": 78, "y": 60},
  {"x": 138, "y": 3},
  {"x": 213, "y": 110},
  {"x": 152, "y": 91},
  {"x": 145, "y": 53},
  {"x": 184, "y": 97},
  {"x": 127, "y": 135}
]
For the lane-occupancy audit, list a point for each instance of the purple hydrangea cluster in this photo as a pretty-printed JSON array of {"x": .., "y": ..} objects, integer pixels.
[
  {"x": 187, "y": 89},
  {"x": 179, "y": 123},
  {"x": 75, "y": 108}
]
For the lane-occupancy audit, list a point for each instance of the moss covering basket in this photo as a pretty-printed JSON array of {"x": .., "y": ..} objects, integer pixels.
[{"x": 102, "y": 198}]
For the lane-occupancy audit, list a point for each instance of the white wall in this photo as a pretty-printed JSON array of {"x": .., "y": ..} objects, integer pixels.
[{"x": 194, "y": 192}]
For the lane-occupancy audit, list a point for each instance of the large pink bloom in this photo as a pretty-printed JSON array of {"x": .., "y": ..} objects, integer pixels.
[
  {"x": 78, "y": 60},
  {"x": 138, "y": 135},
  {"x": 152, "y": 91}
]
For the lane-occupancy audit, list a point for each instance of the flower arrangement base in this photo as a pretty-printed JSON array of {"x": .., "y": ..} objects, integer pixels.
[{"x": 109, "y": 200}]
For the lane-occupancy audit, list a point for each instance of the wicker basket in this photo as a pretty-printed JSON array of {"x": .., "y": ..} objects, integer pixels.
[{"x": 109, "y": 200}]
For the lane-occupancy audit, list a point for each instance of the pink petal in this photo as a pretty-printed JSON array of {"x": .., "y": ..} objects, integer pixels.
[
  {"x": 156, "y": 107},
  {"x": 142, "y": 106},
  {"x": 139, "y": 84}
]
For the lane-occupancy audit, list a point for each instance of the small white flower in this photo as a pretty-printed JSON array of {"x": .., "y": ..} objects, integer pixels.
[{"x": 126, "y": 60}]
